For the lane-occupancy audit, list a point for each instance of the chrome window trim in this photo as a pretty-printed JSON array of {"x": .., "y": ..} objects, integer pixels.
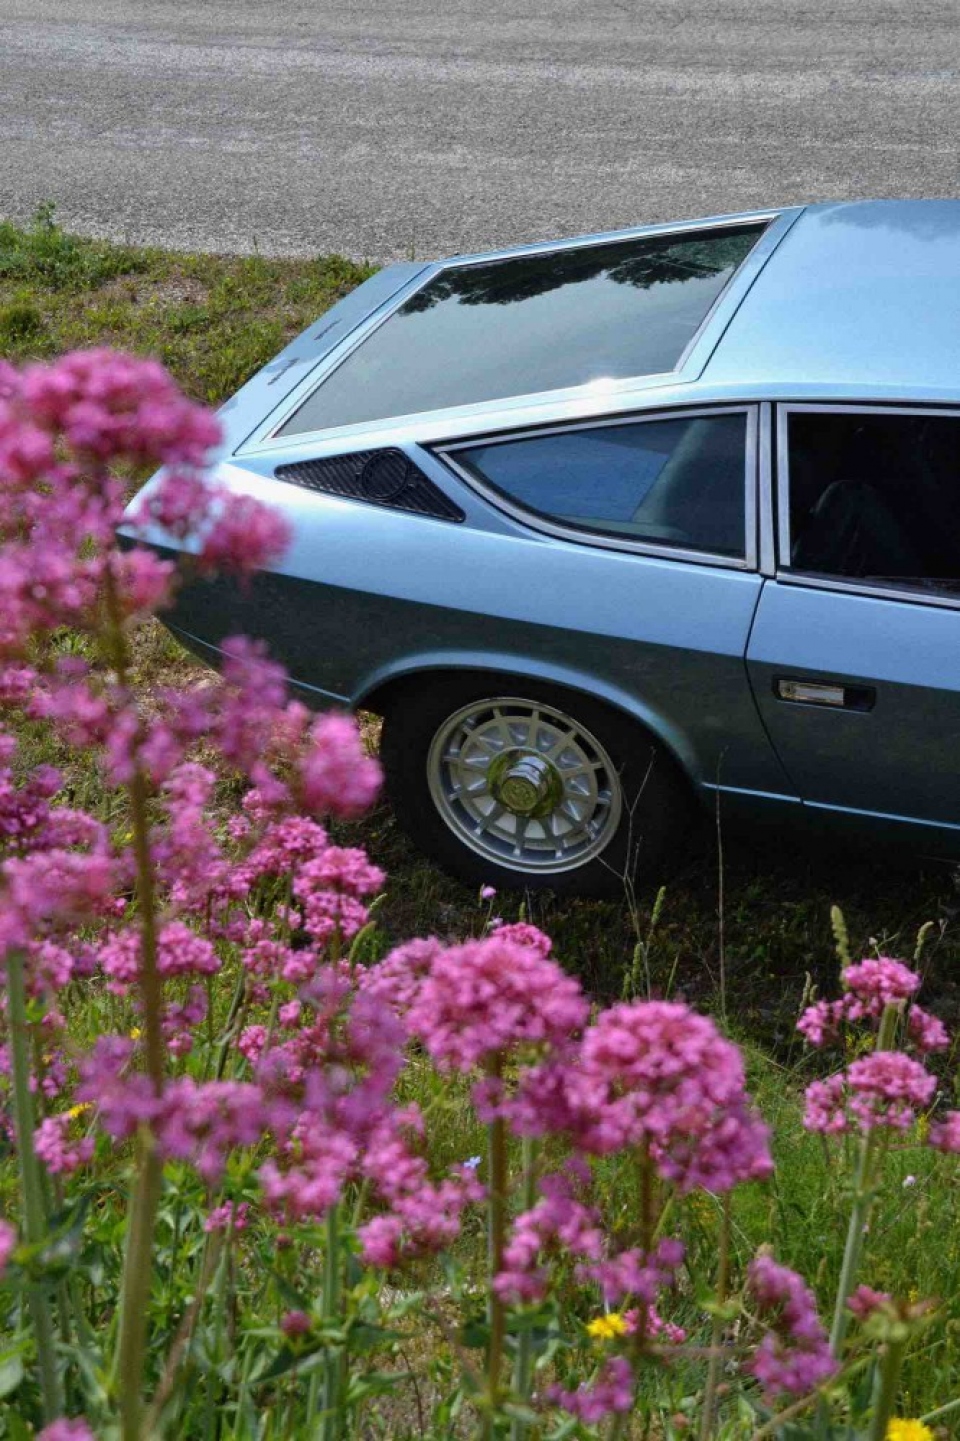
[
  {"x": 767, "y": 550},
  {"x": 697, "y": 334},
  {"x": 850, "y": 586},
  {"x": 868, "y": 592},
  {"x": 665, "y": 551},
  {"x": 268, "y": 435},
  {"x": 630, "y": 232}
]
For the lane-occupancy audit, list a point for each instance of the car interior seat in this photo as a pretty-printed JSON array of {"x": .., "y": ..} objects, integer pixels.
[{"x": 853, "y": 530}]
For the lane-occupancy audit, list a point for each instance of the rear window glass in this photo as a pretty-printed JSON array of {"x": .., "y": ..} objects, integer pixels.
[
  {"x": 678, "y": 482},
  {"x": 533, "y": 323}
]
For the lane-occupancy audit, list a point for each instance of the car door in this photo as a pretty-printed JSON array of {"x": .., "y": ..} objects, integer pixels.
[{"x": 854, "y": 655}]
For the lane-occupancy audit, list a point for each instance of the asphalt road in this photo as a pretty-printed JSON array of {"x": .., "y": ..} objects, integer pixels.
[{"x": 421, "y": 127}]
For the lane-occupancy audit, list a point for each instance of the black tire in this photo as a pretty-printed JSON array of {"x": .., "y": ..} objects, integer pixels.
[{"x": 656, "y": 806}]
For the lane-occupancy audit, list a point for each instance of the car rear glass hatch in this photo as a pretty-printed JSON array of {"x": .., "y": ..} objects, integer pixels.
[{"x": 491, "y": 329}]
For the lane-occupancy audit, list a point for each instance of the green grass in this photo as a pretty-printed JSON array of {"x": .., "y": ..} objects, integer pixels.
[{"x": 213, "y": 320}]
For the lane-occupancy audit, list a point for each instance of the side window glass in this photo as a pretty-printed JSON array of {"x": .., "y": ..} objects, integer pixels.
[
  {"x": 874, "y": 498},
  {"x": 677, "y": 482}
]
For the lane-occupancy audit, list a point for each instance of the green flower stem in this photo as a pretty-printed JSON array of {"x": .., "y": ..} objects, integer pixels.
[
  {"x": 31, "y": 1184},
  {"x": 332, "y": 1429},
  {"x": 853, "y": 1250},
  {"x": 863, "y": 1194},
  {"x": 496, "y": 1237},
  {"x": 716, "y": 1330},
  {"x": 135, "y": 1287},
  {"x": 523, "y": 1370},
  {"x": 648, "y": 1218},
  {"x": 138, "y": 1259},
  {"x": 150, "y": 981},
  {"x": 231, "y": 1025},
  {"x": 890, "y": 1367}
]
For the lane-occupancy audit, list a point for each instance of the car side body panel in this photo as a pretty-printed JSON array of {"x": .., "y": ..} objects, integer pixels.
[{"x": 664, "y": 641}]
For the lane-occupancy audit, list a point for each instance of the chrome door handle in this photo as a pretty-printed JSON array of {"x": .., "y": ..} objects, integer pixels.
[{"x": 832, "y": 694}]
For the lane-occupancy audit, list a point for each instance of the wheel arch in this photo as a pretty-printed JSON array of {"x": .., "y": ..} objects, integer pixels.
[{"x": 383, "y": 690}]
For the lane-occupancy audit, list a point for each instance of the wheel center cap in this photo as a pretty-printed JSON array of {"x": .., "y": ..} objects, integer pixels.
[{"x": 526, "y": 783}]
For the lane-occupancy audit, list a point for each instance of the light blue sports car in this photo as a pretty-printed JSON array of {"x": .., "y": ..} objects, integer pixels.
[{"x": 611, "y": 527}]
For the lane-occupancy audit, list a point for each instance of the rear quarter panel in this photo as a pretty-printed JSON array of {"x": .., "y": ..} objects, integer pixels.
[{"x": 368, "y": 595}]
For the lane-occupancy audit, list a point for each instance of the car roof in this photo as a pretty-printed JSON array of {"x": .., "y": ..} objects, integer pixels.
[{"x": 860, "y": 296}]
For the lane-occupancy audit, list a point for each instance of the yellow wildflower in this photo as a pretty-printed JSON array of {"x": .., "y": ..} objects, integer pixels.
[
  {"x": 78, "y": 1110},
  {"x": 607, "y": 1328},
  {"x": 136, "y": 1033},
  {"x": 908, "y": 1431}
]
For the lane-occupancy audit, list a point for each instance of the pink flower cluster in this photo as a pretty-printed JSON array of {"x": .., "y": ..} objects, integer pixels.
[
  {"x": 655, "y": 1074},
  {"x": 396, "y": 980},
  {"x": 653, "y": 1327},
  {"x": 610, "y": 1393},
  {"x": 862, "y": 1302},
  {"x": 945, "y": 1133},
  {"x": 794, "y": 1355},
  {"x": 228, "y": 1217},
  {"x": 870, "y": 986},
  {"x": 57, "y": 1151},
  {"x": 202, "y": 1122},
  {"x": 885, "y": 1088},
  {"x": 8, "y": 1244},
  {"x": 638, "y": 1274},
  {"x": 490, "y": 998},
  {"x": 63, "y": 428},
  {"x": 559, "y": 1222},
  {"x": 66, "y": 1430},
  {"x": 328, "y": 1090}
]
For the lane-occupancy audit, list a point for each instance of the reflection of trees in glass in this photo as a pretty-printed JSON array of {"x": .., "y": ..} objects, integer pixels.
[{"x": 653, "y": 260}]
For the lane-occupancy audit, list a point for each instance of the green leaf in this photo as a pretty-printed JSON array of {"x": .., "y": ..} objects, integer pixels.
[
  {"x": 364, "y": 1337},
  {"x": 11, "y": 1373},
  {"x": 289, "y": 1363},
  {"x": 375, "y": 1383},
  {"x": 406, "y": 1302},
  {"x": 16, "y": 1427}
]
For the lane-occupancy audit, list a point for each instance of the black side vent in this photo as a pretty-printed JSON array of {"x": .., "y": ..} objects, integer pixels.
[{"x": 380, "y": 477}]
